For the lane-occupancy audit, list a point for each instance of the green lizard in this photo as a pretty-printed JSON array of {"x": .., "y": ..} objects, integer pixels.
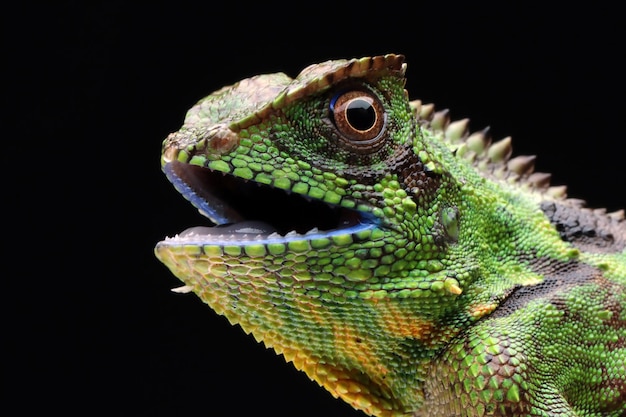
[{"x": 410, "y": 267}]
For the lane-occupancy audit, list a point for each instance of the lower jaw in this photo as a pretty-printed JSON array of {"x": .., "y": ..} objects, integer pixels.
[{"x": 254, "y": 233}]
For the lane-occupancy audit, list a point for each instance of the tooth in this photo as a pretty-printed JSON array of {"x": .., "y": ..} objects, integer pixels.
[
  {"x": 183, "y": 290},
  {"x": 314, "y": 230}
]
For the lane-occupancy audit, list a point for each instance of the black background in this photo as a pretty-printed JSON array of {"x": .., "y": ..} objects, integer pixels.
[{"x": 90, "y": 91}]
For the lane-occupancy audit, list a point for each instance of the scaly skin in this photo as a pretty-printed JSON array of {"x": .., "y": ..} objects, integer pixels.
[{"x": 446, "y": 280}]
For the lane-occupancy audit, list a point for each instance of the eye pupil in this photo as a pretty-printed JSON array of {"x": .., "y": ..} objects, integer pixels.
[
  {"x": 360, "y": 119},
  {"x": 361, "y": 114}
]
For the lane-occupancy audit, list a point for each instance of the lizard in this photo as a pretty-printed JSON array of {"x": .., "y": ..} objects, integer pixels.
[{"x": 408, "y": 265}]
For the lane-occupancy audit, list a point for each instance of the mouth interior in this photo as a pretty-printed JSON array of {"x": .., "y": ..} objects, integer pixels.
[{"x": 235, "y": 204}]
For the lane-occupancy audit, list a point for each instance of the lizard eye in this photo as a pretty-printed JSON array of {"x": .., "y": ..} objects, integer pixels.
[{"x": 359, "y": 117}]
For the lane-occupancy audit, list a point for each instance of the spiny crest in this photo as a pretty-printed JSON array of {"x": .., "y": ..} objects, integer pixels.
[{"x": 493, "y": 159}]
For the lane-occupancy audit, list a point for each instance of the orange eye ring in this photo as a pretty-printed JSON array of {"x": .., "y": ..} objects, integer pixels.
[{"x": 359, "y": 117}]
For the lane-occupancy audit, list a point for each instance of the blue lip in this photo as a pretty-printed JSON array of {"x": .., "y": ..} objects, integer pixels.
[{"x": 217, "y": 211}]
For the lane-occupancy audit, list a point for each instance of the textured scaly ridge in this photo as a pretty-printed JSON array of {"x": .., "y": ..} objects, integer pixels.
[{"x": 494, "y": 159}]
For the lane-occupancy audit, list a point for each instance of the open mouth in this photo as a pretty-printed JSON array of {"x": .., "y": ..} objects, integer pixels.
[{"x": 245, "y": 210}]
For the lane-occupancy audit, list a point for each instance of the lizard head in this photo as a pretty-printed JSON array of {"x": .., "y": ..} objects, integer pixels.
[{"x": 329, "y": 223}]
